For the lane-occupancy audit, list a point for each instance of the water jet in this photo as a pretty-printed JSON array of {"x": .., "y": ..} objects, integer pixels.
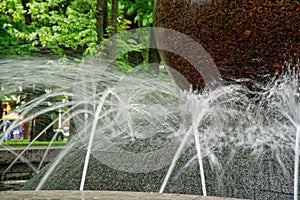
[{"x": 247, "y": 144}]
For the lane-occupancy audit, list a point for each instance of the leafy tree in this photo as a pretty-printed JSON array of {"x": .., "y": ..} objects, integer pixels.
[
  {"x": 75, "y": 26},
  {"x": 11, "y": 45},
  {"x": 58, "y": 24}
]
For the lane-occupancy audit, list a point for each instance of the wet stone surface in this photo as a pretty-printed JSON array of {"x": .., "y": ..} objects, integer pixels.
[
  {"x": 246, "y": 39},
  {"x": 246, "y": 178}
]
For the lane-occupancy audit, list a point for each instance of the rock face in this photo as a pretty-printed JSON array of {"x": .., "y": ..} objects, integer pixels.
[{"x": 246, "y": 39}]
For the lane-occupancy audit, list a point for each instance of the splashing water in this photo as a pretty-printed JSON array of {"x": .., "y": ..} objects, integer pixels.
[{"x": 137, "y": 123}]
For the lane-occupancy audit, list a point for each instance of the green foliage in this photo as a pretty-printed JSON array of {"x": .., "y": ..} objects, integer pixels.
[
  {"x": 10, "y": 45},
  {"x": 56, "y": 24},
  {"x": 64, "y": 26},
  {"x": 143, "y": 10},
  {"x": 126, "y": 41},
  {"x": 136, "y": 41}
]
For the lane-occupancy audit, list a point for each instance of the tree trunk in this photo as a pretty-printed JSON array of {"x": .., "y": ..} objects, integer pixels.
[
  {"x": 27, "y": 16},
  {"x": 114, "y": 18},
  {"x": 1, "y": 112},
  {"x": 42, "y": 121},
  {"x": 101, "y": 19},
  {"x": 134, "y": 57},
  {"x": 153, "y": 58}
]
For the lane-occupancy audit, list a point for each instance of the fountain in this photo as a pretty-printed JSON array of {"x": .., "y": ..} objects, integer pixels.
[
  {"x": 247, "y": 143},
  {"x": 138, "y": 132}
]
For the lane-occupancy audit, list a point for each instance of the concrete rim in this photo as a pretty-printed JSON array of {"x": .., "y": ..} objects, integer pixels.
[{"x": 99, "y": 195}]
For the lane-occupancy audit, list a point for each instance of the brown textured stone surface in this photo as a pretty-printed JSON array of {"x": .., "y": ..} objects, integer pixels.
[{"x": 246, "y": 39}]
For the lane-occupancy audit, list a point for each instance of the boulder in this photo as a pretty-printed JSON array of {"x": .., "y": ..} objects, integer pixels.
[{"x": 250, "y": 40}]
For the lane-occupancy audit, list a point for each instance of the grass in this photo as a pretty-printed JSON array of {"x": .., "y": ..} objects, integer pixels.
[{"x": 24, "y": 143}]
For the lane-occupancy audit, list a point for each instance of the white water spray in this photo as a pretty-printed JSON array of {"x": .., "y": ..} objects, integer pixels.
[{"x": 225, "y": 118}]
